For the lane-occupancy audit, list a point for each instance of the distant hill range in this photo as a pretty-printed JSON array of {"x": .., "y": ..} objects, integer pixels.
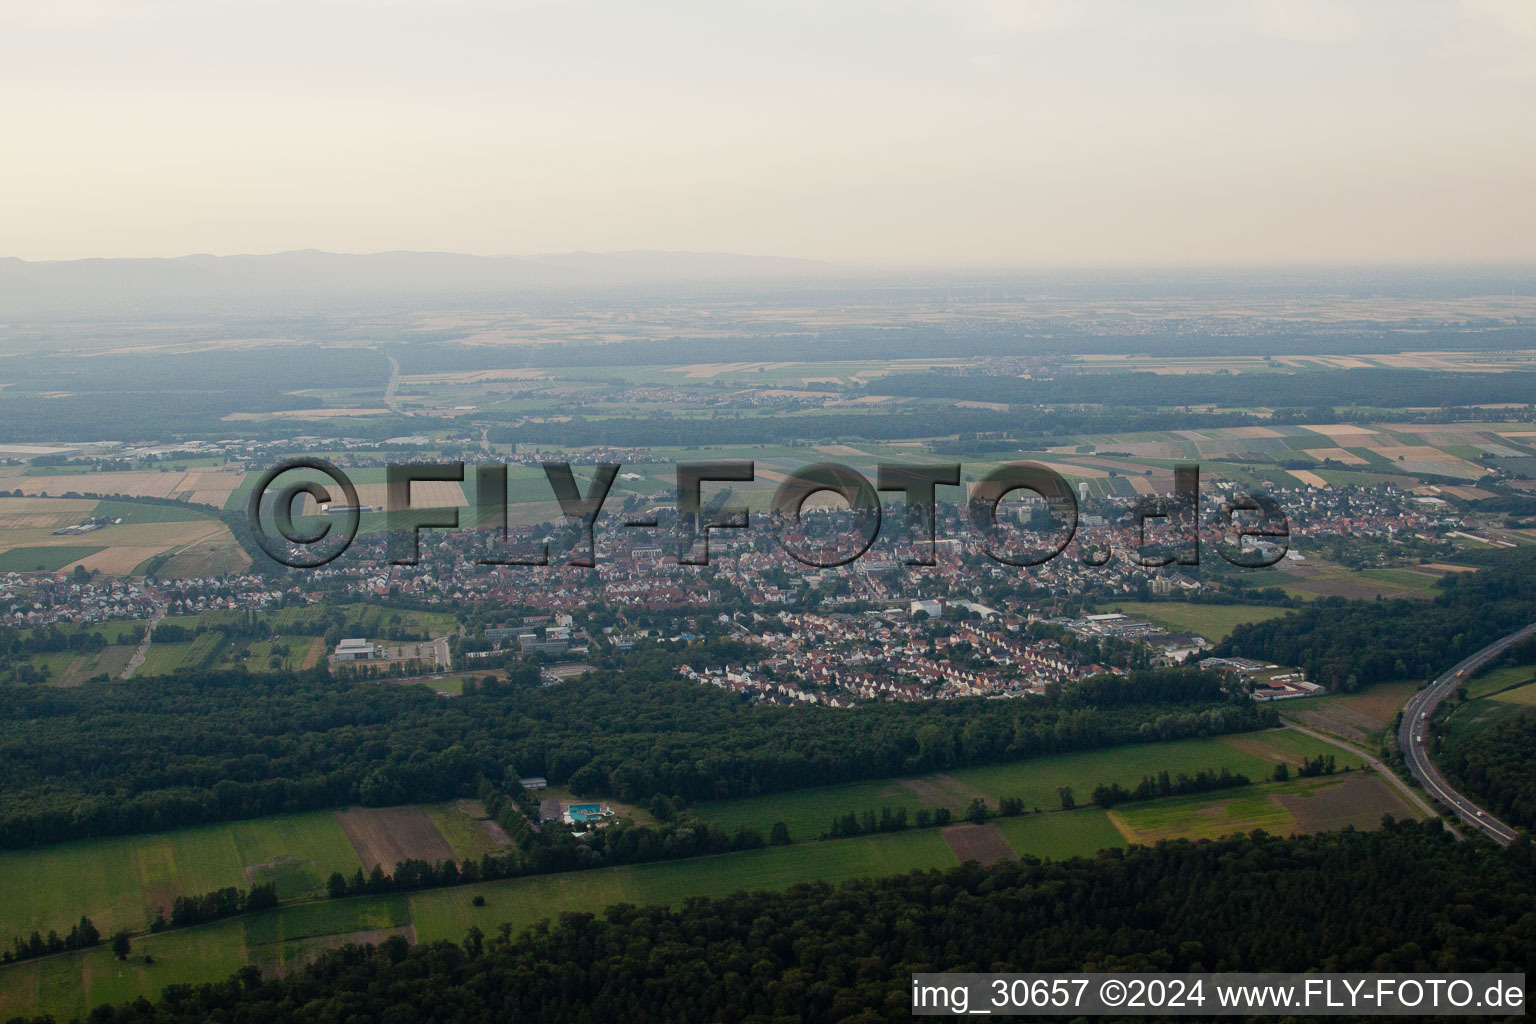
[{"x": 129, "y": 284}]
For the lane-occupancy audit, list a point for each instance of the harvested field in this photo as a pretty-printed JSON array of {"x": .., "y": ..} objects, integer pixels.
[
  {"x": 388, "y": 835},
  {"x": 424, "y": 494},
  {"x": 129, "y": 545},
  {"x": 1336, "y": 429},
  {"x": 1354, "y": 716},
  {"x": 1308, "y": 477},
  {"x": 211, "y": 487},
  {"x": 139, "y": 483},
  {"x": 1360, "y": 800},
  {"x": 43, "y": 513},
  {"x": 1343, "y": 455},
  {"x": 944, "y": 791},
  {"x": 982, "y": 843}
]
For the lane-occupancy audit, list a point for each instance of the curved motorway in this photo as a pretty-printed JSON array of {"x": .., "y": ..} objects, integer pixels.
[{"x": 1411, "y": 740}]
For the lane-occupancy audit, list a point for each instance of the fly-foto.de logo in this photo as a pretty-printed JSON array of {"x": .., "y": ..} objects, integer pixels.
[{"x": 1250, "y": 528}]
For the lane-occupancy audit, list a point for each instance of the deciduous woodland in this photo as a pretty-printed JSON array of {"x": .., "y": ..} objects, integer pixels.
[
  {"x": 1349, "y": 644},
  {"x": 1407, "y": 898},
  {"x": 146, "y": 755}
]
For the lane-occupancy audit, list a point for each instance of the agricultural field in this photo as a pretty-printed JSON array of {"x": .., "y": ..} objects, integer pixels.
[
  {"x": 1523, "y": 695},
  {"x": 1300, "y": 805},
  {"x": 1362, "y": 717},
  {"x": 1496, "y": 681},
  {"x": 385, "y": 836},
  {"x": 1061, "y": 834},
  {"x": 298, "y": 851},
  {"x": 204, "y": 485},
  {"x": 1313, "y": 579},
  {"x": 118, "y": 882},
  {"x": 42, "y": 513},
  {"x": 72, "y": 983},
  {"x": 809, "y": 813},
  {"x": 203, "y": 544},
  {"x": 465, "y": 828},
  {"x": 50, "y": 558},
  {"x": 67, "y": 669},
  {"x": 1212, "y": 621},
  {"x": 448, "y": 913}
]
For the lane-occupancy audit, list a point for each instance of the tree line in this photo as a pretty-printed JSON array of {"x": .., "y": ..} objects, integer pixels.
[
  {"x": 1405, "y": 898},
  {"x": 1110, "y": 794},
  {"x": 153, "y": 754},
  {"x": 1348, "y": 644},
  {"x": 82, "y": 935}
]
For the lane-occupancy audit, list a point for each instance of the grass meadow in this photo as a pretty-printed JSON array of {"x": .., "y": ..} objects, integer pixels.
[
  {"x": 809, "y": 812},
  {"x": 118, "y": 882}
]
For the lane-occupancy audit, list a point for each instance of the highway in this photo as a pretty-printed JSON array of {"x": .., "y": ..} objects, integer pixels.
[{"x": 1412, "y": 737}]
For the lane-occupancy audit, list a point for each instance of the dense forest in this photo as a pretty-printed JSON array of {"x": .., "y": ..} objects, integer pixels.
[
  {"x": 146, "y": 396},
  {"x": 1496, "y": 763},
  {"x": 1347, "y": 644},
  {"x": 145, "y": 755},
  {"x": 1407, "y": 898}
]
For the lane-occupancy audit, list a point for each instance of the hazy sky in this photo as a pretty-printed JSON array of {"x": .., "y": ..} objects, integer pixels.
[{"x": 891, "y": 132}]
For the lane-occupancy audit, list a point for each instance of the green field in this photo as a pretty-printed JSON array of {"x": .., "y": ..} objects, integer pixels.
[
  {"x": 118, "y": 882},
  {"x": 1059, "y": 835},
  {"x": 1505, "y": 677},
  {"x": 1356, "y": 799},
  {"x": 1525, "y": 695},
  {"x": 1212, "y": 621},
  {"x": 163, "y": 659},
  {"x": 50, "y": 558},
  {"x": 809, "y": 812},
  {"x": 448, "y": 913},
  {"x": 1208, "y": 815},
  {"x": 459, "y": 823},
  {"x": 144, "y": 512},
  {"x": 72, "y": 983},
  {"x": 217, "y": 855}
]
